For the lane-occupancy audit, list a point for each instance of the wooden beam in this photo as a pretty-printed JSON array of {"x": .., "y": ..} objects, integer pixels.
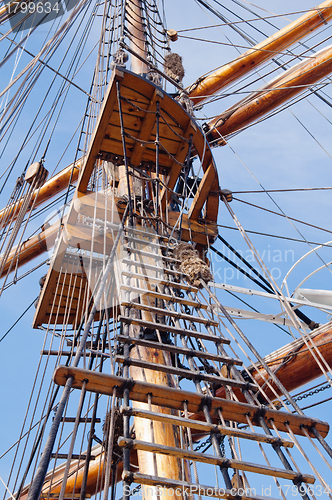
[
  {"x": 177, "y": 165},
  {"x": 109, "y": 103},
  {"x": 161, "y": 281},
  {"x": 145, "y": 129},
  {"x": 206, "y": 428},
  {"x": 202, "y": 192},
  {"x": 167, "y": 328},
  {"x": 180, "y": 350},
  {"x": 294, "y": 81},
  {"x": 50, "y": 188},
  {"x": 174, "y": 398},
  {"x": 162, "y": 296},
  {"x": 181, "y": 372},
  {"x": 31, "y": 248},
  {"x": 201, "y": 231},
  {"x": 261, "y": 52},
  {"x": 167, "y": 312},
  {"x": 193, "y": 488},
  {"x": 265, "y": 470}
]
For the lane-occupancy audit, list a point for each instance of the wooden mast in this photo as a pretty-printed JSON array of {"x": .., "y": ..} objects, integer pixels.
[
  {"x": 138, "y": 42},
  {"x": 261, "y": 52},
  {"x": 154, "y": 432}
]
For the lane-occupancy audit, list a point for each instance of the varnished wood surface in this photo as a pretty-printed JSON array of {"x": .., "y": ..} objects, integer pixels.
[
  {"x": 31, "y": 248},
  {"x": 174, "y": 398},
  {"x": 262, "y": 52},
  {"x": 214, "y": 492},
  {"x": 297, "y": 367},
  {"x": 50, "y": 188},
  {"x": 205, "y": 428},
  {"x": 213, "y": 459},
  {"x": 175, "y": 129},
  {"x": 281, "y": 89}
]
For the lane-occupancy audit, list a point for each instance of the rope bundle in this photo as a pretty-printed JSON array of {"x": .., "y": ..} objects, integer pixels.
[{"x": 192, "y": 265}]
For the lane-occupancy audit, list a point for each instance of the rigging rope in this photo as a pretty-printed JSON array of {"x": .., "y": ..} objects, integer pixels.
[
  {"x": 282, "y": 214},
  {"x": 18, "y": 319}
]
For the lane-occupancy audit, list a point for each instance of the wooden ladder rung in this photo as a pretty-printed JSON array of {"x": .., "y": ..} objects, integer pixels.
[
  {"x": 174, "y": 398},
  {"x": 151, "y": 255},
  {"x": 173, "y": 329},
  {"x": 160, "y": 281},
  {"x": 81, "y": 420},
  {"x": 144, "y": 233},
  {"x": 66, "y": 497},
  {"x": 89, "y": 344},
  {"x": 151, "y": 267},
  {"x": 214, "y": 460},
  {"x": 204, "y": 427},
  {"x": 146, "y": 242},
  {"x": 174, "y": 314},
  {"x": 192, "y": 488},
  {"x": 68, "y": 353},
  {"x": 179, "y": 350},
  {"x": 164, "y": 296},
  {"x": 64, "y": 456},
  {"x": 183, "y": 373}
]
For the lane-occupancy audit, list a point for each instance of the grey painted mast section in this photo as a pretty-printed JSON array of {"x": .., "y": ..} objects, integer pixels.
[{"x": 38, "y": 481}]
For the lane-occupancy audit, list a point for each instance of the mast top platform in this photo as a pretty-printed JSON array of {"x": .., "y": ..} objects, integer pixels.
[{"x": 141, "y": 125}]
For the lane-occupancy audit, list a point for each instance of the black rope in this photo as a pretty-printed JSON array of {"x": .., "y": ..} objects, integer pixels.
[
  {"x": 311, "y": 324},
  {"x": 239, "y": 256},
  {"x": 18, "y": 319},
  {"x": 268, "y": 290}
]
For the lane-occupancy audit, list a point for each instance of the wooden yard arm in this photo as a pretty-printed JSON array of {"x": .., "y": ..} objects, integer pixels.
[
  {"x": 261, "y": 52},
  {"x": 52, "y": 187},
  {"x": 31, "y": 248},
  {"x": 280, "y": 90}
]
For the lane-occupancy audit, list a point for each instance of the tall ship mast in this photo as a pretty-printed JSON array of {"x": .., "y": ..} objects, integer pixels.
[{"x": 149, "y": 383}]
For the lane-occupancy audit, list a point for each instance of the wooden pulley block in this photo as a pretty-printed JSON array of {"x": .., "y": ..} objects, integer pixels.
[
  {"x": 36, "y": 172},
  {"x": 172, "y": 35}
]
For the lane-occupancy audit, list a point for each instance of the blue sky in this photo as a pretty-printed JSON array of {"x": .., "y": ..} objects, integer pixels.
[{"x": 279, "y": 152}]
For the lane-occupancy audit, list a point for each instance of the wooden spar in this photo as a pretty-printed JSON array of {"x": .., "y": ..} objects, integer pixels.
[
  {"x": 281, "y": 89},
  {"x": 294, "y": 365},
  {"x": 10, "y": 9},
  {"x": 53, "y": 480},
  {"x": 261, "y": 52},
  {"x": 31, "y": 248},
  {"x": 52, "y": 187}
]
